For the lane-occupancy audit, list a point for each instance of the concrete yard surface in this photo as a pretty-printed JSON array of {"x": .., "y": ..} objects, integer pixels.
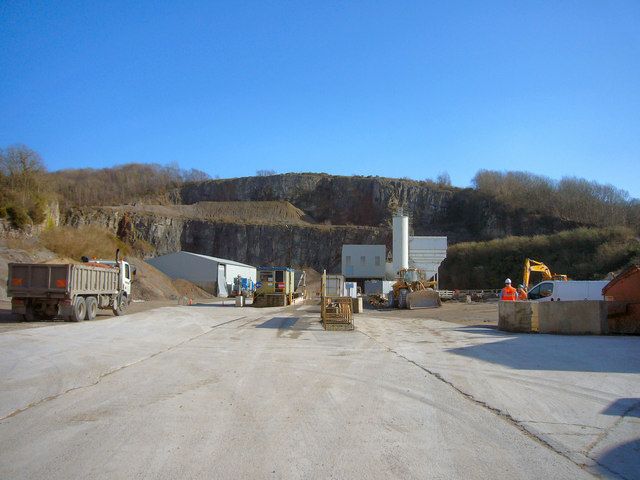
[{"x": 214, "y": 391}]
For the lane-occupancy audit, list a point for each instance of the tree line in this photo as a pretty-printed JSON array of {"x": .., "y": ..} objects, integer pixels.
[
  {"x": 23, "y": 193},
  {"x": 119, "y": 185},
  {"x": 26, "y": 188},
  {"x": 570, "y": 198}
]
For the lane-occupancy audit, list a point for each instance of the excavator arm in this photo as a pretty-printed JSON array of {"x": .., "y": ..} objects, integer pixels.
[{"x": 535, "y": 266}]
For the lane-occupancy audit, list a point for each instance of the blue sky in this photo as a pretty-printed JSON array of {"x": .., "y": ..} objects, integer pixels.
[{"x": 393, "y": 88}]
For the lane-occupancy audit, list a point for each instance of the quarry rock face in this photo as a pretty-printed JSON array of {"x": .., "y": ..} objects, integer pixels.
[
  {"x": 339, "y": 210},
  {"x": 316, "y": 246},
  {"x": 461, "y": 214},
  {"x": 367, "y": 201}
]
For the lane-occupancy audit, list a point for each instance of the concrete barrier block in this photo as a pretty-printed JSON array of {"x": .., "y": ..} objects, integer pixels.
[
  {"x": 573, "y": 318},
  {"x": 515, "y": 316}
]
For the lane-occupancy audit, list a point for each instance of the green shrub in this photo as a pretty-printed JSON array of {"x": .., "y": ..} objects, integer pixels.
[
  {"x": 37, "y": 211},
  {"x": 583, "y": 254},
  {"x": 18, "y": 216}
]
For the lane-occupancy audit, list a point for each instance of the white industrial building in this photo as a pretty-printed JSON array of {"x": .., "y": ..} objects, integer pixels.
[
  {"x": 364, "y": 261},
  {"x": 215, "y": 275},
  {"x": 368, "y": 262}
]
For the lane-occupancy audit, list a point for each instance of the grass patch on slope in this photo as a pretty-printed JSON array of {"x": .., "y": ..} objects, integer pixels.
[{"x": 70, "y": 242}]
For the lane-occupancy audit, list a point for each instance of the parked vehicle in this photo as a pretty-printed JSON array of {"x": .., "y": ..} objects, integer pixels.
[
  {"x": 75, "y": 291},
  {"x": 561, "y": 290}
]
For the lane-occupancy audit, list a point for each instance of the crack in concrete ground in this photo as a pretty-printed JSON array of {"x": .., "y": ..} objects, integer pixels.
[
  {"x": 115, "y": 370},
  {"x": 503, "y": 415},
  {"x": 605, "y": 433},
  {"x": 562, "y": 423}
]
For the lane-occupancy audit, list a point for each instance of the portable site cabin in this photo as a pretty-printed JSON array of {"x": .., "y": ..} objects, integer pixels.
[
  {"x": 275, "y": 287},
  {"x": 213, "y": 274}
]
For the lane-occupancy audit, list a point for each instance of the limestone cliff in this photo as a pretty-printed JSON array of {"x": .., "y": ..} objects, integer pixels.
[
  {"x": 462, "y": 214},
  {"x": 317, "y": 246},
  {"x": 304, "y": 219}
]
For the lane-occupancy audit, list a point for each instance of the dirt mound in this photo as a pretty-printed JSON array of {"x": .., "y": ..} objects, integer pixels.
[
  {"x": 149, "y": 283},
  {"x": 269, "y": 212},
  {"x": 313, "y": 281},
  {"x": 187, "y": 289},
  {"x": 60, "y": 260}
]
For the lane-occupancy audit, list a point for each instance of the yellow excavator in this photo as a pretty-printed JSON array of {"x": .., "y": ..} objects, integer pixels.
[{"x": 536, "y": 266}]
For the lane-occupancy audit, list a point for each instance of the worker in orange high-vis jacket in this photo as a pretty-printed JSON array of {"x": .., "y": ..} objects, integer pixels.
[
  {"x": 509, "y": 293},
  {"x": 522, "y": 293}
]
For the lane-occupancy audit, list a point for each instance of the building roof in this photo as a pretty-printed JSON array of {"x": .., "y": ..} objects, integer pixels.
[{"x": 207, "y": 257}]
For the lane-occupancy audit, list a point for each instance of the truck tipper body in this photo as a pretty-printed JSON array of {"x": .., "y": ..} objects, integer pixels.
[{"x": 74, "y": 291}]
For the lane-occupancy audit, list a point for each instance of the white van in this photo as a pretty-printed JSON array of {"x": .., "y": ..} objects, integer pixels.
[{"x": 558, "y": 290}]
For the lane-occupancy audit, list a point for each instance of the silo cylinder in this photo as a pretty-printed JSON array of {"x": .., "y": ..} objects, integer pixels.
[{"x": 400, "y": 242}]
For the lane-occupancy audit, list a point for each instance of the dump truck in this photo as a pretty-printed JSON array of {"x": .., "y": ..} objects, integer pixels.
[{"x": 74, "y": 291}]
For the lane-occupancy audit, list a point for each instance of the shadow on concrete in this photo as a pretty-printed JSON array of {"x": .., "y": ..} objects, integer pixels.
[
  {"x": 483, "y": 329},
  {"x": 7, "y": 317},
  {"x": 226, "y": 304},
  {"x": 621, "y": 461},
  {"x": 624, "y": 407},
  {"x": 558, "y": 352},
  {"x": 281, "y": 323}
]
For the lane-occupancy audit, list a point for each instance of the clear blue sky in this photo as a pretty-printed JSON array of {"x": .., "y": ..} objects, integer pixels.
[{"x": 391, "y": 88}]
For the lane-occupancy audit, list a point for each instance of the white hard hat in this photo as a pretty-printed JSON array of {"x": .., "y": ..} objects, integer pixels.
[{"x": 508, "y": 280}]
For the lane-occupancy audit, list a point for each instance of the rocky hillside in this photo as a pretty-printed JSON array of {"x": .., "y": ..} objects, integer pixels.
[
  {"x": 252, "y": 242},
  {"x": 462, "y": 214},
  {"x": 304, "y": 219}
]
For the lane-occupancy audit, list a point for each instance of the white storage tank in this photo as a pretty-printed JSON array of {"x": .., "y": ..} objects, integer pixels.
[{"x": 400, "y": 241}]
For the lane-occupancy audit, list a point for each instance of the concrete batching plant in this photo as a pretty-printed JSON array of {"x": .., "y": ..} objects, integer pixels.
[{"x": 368, "y": 262}]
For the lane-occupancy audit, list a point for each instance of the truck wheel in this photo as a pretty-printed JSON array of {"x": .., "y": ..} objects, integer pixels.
[
  {"x": 79, "y": 310},
  {"x": 92, "y": 307},
  {"x": 30, "y": 314},
  {"x": 121, "y": 305},
  {"x": 402, "y": 301}
]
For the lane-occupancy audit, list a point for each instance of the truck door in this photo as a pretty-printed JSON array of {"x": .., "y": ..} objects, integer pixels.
[{"x": 126, "y": 278}]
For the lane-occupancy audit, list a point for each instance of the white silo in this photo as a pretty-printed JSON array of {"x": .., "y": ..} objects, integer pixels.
[{"x": 400, "y": 241}]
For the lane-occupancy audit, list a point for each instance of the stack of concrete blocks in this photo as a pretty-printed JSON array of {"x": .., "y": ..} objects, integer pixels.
[{"x": 570, "y": 318}]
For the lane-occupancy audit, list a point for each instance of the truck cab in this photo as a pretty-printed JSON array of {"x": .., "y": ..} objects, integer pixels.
[{"x": 126, "y": 273}]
